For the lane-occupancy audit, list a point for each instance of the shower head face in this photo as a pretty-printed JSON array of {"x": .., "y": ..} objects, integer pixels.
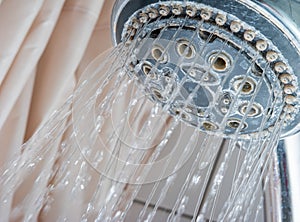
[{"x": 213, "y": 69}]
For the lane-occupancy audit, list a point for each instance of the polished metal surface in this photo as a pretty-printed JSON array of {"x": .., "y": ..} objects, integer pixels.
[
  {"x": 274, "y": 33},
  {"x": 278, "y": 21}
]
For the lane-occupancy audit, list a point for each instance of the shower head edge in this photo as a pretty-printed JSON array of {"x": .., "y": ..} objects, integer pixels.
[{"x": 124, "y": 9}]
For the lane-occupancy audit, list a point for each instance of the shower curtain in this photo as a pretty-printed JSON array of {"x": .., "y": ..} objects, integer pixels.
[{"x": 44, "y": 47}]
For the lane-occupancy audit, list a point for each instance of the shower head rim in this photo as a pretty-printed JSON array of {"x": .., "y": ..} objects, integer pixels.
[
  {"x": 120, "y": 5},
  {"x": 285, "y": 24}
]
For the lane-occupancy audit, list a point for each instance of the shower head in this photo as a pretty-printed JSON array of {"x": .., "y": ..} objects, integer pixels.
[{"x": 222, "y": 67}]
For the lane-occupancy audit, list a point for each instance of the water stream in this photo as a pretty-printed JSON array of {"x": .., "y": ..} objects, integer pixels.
[{"x": 114, "y": 153}]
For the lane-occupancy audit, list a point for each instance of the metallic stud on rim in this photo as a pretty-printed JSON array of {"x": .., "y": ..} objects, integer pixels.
[
  {"x": 235, "y": 26},
  {"x": 290, "y": 99},
  {"x": 272, "y": 56},
  {"x": 164, "y": 10},
  {"x": 290, "y": 89},
  {"x": 289, "y": 108},
  {"x": 249, "y": 35},
  {"x": 286, "y": 78},
  {"x": 153, "y": 13},
  {"x": 206, "y": 14},
  {"x": 143, "y": 17},
  {"x": 177, "y": 9},
  {"x": 136, "y": 23},
  {"x": 191, "y": 11},
  {"x": 221, "y": 19},
  {"x": 261, "y": 45},
  {"x": 280, "y": 67}
]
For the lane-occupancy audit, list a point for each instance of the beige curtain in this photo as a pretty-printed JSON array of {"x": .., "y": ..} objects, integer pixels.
[{"x": 44, "y": 47}]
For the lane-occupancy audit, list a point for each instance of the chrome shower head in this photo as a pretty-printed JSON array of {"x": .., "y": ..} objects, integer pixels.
[{"x": 222, "y": 67}]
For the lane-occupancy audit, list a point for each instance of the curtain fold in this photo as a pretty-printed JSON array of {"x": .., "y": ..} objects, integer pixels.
[
  {"x": 24, "y": 65},
  {"x": 56, "y": 70},
  {"x": 16, "y": 20},
  {"x": 44, "y": 46},
  {"x": 12, "y": 134}
]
